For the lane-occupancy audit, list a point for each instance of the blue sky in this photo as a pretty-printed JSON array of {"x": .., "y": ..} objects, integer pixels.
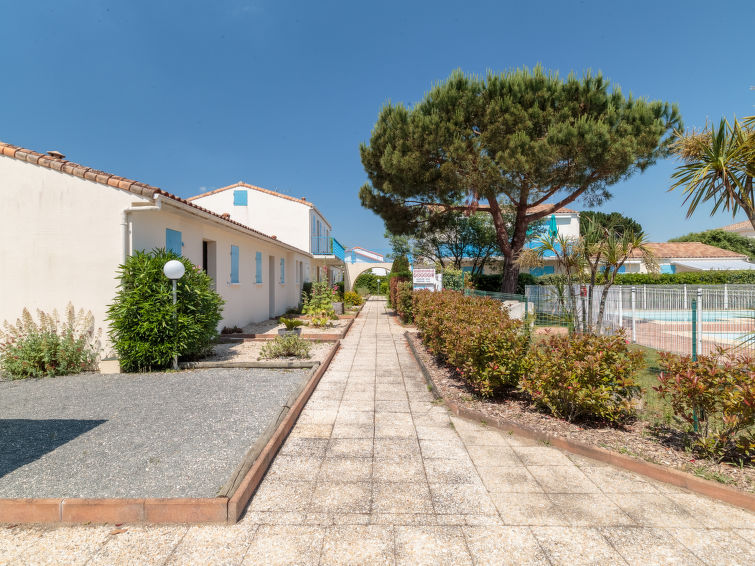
[{"x": 190, "y": 96}]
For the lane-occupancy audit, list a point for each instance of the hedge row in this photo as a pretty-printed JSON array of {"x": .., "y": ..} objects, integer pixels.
[
  {"x": 688, "y": 278},
  {"x": 492, "y": 282}
]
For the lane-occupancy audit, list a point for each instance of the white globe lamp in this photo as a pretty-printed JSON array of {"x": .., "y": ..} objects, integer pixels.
[{"x": 174, "y": 270}]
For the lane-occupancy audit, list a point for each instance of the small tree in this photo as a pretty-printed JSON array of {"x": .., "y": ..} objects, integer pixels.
[
  {"x": 615, "y": 221},
  {"x": 146, "y": 329}
]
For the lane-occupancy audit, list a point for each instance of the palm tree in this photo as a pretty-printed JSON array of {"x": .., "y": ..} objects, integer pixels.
[
  {"x": 568, "y": 254},
  {"x": 719, "y": 166},
  {"x": 616, "y": 250}
]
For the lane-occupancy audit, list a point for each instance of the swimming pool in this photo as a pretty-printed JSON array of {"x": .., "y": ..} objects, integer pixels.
[{"x": 686, "y": 315}]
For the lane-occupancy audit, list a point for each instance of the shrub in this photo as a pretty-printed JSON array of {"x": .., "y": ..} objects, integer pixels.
[
  {"x": 362, "y": 291},
  {"x": 50, "y": 346},
  {"x": 400, "y": 267},
  {"x": 453, "y": 279},
  {"x": 291, "y": 323},
  {"x": 475, "y": 336},
  {"x": 339, "y": 287},
  {"x": 146, "y": 329},
  {"x": 492, "y": 282},
  {"x": 404, "y": 301},
  {"x": 393, "y": 290},
  {"x": 285, "y": 347},
  {"x": 687, "y": 278},
  {"x": 384, "y": 285},
  {"x": 318, "y": 306},
  {"x": 715, "y": 397},
  {"x": 584, "y": 376},
  {"x": 352, "y": 298},
  {"x": 231, "y": 330},
  {"x": 368, "y": 281}
]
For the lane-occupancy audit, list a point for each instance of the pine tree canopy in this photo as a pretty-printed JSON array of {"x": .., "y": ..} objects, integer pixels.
[{"x": 512, "y": 141}]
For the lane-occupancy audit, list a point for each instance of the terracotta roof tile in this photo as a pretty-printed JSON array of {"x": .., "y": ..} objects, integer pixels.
[
  {"x": 688, "y": 250},
  {"x": 746, "y": 225},
  {"x": 109, "y": 180}
]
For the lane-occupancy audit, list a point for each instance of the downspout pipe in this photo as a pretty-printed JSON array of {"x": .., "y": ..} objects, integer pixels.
[{"x": 125, "y": 225}]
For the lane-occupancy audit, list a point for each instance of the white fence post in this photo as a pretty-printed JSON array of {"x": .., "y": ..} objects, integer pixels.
[
  {"x": 634, "y": 314},
  {"x": 684, "y": 305},
  {"x": 644, "y": 297},
  {"x": 699, "y": 320},
  {"x": 726, "y": 296},
  {"x": 621, "y": 308}
]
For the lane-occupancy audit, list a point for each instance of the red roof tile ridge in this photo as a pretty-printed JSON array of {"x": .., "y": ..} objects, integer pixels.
[
  {"x": 254, "y": 187},
  {"x": 108, "y": 179}
]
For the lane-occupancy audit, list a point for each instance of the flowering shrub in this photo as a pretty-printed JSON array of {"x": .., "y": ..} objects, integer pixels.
[
  {"x": 404, "y": 301},
  {"x": 286, "y": 347},
  {"x": 50, "y": 346},
  {"x": 584, "y": 376},
  {"x": 715, "y": 396},
  {"x": 352, "y": 298},
  {"x": 476, "y": 336}
]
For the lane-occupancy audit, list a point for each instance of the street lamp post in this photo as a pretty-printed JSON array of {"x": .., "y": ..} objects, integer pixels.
[{"x": 174, "y": 270}]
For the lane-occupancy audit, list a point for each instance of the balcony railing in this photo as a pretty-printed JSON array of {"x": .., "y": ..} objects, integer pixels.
[{"x": 328, "y": 246}]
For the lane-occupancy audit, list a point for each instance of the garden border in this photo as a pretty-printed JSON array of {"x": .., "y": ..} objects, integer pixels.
[
  {"x": 654, "y": 471},
  {"x": 226, "y": 509}
]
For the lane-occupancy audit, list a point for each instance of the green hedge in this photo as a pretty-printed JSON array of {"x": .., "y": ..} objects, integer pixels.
[
  {"x": 689, "y": 278},
  {"x": 493, "y": 282}
]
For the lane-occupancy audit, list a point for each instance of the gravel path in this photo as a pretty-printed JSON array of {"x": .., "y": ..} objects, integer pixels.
[
  {"x": 249, "y": 351},
  {"x": 137, "y": 435}
]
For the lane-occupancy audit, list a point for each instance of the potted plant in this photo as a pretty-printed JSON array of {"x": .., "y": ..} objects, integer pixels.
[{"x": 292, "y": 326}]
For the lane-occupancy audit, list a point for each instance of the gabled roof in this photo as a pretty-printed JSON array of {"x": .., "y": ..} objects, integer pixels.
[
  {"x": 746, "y": 225},
  {"x": 365, "y": 251},
  {"x": 669, "y": 250},
  {"x": 262, "y": 190},
  {"x": 254, "y": 187},
  {"x": 113, "y": 181}
]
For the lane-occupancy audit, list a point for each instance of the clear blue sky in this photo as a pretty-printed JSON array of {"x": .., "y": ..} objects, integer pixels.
[{"x": 190, "y": 96}]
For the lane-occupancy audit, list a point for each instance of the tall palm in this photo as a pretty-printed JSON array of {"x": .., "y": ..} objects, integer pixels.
[{"x": 719, "y": 166}]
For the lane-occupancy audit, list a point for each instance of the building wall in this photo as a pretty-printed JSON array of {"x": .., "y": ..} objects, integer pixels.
[
  {"x": 290, "y": 221},
  {"x": 60, "y": 240},
  {"x": 246, "y": 301}
]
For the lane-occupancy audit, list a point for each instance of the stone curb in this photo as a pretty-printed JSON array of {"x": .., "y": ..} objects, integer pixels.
[
  {"x": 648, "y": 469},
  {"x": 171, "y": 510}
]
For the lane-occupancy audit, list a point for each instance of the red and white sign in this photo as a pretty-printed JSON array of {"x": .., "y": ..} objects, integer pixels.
[{"x": 423, "y": 276}]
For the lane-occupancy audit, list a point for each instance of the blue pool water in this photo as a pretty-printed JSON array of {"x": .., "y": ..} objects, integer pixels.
[{"x": 686, "y": 315}]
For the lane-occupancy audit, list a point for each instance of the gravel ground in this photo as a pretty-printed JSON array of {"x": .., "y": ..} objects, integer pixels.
[
  {"x": 636, "y": 439},
  {"x": 272, "y": 326},
  {"x": 250, "y": 352},
  {"x": 134, "y": 435}
]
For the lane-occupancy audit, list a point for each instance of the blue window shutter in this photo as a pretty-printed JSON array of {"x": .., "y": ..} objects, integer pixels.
[
  {"x": 283, "y": 270},
  {"x": 258, "y": 267},
  {"x": 240, "y": 198},
  {"x": 622, "y": 269},
  {"x": 234, "y": 264},
  {"x": 173, "y": 241}
]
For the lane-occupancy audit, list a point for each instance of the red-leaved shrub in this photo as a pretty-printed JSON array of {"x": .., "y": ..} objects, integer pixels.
[
  {"x": 476, "y": 336},
  {"x": 584, "y": 376}
]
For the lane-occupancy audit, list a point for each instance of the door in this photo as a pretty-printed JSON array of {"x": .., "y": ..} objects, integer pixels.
[{"x": 271, "y": 285}]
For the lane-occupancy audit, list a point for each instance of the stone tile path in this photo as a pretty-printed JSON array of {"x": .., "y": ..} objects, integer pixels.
[{"x": 376, "y": 472}]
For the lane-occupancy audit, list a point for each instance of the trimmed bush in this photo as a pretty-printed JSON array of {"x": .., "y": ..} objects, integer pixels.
[
  {"x": 404, "y": 301},
  {"x": 146, "y": 330},
  {"x": 51, "y": 346},
  {"x": 475, "y": 336},
  {"x": 453, "y": 279},
  {"x": 393, "y": 290},
  {"x": 285, "y": 347},
  {"x": 715, "y": 398},
  {"x": 689, "y": 278},
  {"x": 584, "y": 376}
]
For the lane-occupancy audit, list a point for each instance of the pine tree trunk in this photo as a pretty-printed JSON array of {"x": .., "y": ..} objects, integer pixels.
[{"x": 510, "y": 277}]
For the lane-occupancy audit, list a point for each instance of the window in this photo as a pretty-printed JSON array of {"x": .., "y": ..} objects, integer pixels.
[
  {"x": 234, "y": 264},
  {"x": 283, "y": 271},
  {"x": 240, "y": 198},
  {"x": 258, "y": 267},
  {"x": 173, "y": 241}
]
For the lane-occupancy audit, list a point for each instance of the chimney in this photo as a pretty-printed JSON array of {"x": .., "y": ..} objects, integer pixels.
[
  {"x": 56, "y": 154},
  {"x": 274, "y": 237},
  {"x": 226, "y": 215}
]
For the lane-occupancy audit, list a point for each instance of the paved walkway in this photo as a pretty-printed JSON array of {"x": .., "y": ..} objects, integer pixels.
[{"x": 376, "y": 472}]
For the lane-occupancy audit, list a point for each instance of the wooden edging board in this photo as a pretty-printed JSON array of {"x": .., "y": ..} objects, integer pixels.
[
  {"x": 648, "y": 469},
  {"x": 175, "y": 510}
]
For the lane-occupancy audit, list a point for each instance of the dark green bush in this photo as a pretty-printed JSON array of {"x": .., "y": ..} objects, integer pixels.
[
  {"x": 50, "y": 346},
  {"x": 146, "y": 330},
  {"x": 400, "y": 267},
  {"x": 584, "y": 376},
  {"x": 368, "y": 281},
  {"x": 688, "y": 278},
  {"x": 492, "y": 282}
]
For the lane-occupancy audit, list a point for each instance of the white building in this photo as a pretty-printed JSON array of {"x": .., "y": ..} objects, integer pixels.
[
  {"x": 742, "y": 228},
  {"x": 295, "y": 221},
  {"x": 65, "y": 229}
]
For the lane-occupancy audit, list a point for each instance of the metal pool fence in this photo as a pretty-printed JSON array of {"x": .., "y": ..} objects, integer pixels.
[{"x": 683, "y": 319}]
